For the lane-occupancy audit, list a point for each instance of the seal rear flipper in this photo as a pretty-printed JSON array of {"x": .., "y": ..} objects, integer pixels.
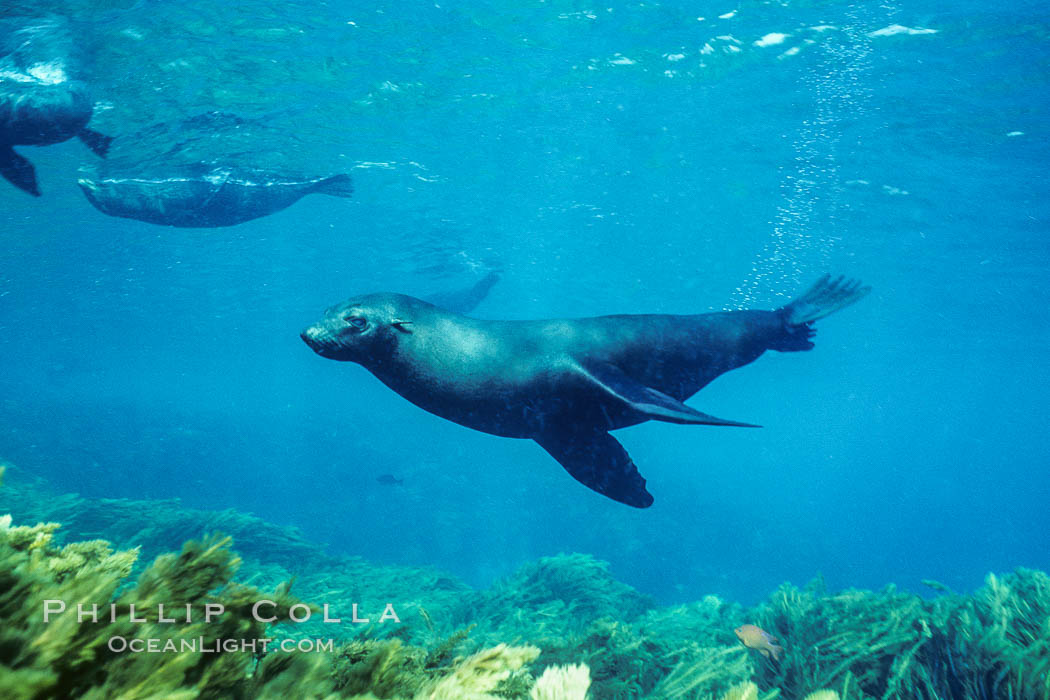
[
  {"x": 648, "y": 401},
  {"x": 337, "y": 186},
  {"x": 465, "y": 300},
  {"x": 822, "y": 299},
  {"x": 595, "y": 459},
  {"x": 18, "y": 171},
  {"x": 98, "y": 143}
]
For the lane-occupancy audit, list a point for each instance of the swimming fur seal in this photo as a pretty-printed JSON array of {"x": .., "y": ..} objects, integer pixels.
[
  {"x": 211, "y": 170},
  {"x": 42, "y": 99},
  {"x": 565, "y": 383},
  {"x": 463, "y": 301}
]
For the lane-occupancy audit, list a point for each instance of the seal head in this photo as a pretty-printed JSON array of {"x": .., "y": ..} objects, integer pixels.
[{"x": 363, "y": 330}]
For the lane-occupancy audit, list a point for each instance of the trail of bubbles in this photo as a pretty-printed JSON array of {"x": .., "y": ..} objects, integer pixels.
[{"x": 804, "y": 230}]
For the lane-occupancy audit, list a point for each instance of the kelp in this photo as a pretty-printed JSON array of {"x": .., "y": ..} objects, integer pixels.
[
  {"x": 441, "y": 653},
  {"x": 48, "y": 652},
  {"x": 750, "y": 691},
  {"x": 555, "y": 596},
  {"x": 861, "y": 642},
  {"x": 699, "y": 648},
  {"x": 480, "y": 675},
  {"x": 385, "y": 669},
  {"x": 269, "y": 553},
  {"x": 997, "y": 641},
  {"x": 590, "y": 635},
  {"x": 707, "y": 672},
  {"x": 71, "y": 652},
  {"x": 572, "y": 608},
  {"x": 623, "y": 663},
  {"x": 888, "y": 645},
  {"x": 74, "y": 656}
]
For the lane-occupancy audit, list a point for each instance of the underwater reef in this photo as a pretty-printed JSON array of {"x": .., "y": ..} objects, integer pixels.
[{"x": 561, "y": 628}]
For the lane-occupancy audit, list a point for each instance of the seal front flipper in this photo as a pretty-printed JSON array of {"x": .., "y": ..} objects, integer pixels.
[
  {"x": 18, "y": 171},
  {"x": 648, "y": 401},
  {"x": 98, "y": 143},
  {"x": 595, "y": 459}
]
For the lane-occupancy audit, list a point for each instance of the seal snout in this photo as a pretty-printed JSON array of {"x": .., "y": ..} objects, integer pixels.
[
  {"x": 331, "y": 342},
  {"x": 317, "y": 338}
]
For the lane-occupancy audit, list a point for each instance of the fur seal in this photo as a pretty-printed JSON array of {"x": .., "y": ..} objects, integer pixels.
[
  {"x": 463, "y": 301},
  {"x": 565, "y": 383},
  {"x": 215, "y": 169},
  {"x": 42, "y": 100}
]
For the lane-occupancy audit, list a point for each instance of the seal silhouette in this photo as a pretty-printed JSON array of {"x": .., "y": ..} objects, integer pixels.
[
  {"x": 43, "y": 99},
  {"x": 565, "y": 383},
  {"x": 208, "y": 171}
]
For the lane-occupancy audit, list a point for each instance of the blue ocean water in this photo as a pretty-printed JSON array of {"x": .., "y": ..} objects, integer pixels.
[{"x": 613, "y": 158}]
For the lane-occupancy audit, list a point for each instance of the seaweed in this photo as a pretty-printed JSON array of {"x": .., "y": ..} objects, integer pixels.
[
  {"x": 385, "y": 669},
  {"x": 268, "y": 554},
  {"x": 555, "y": 597},
  {"x": 441, "y": 654},
  {"x": 590, "y": 635},
  {"x": 747, "y": 691},
  {"x": 479, "y": 675},
  {"x": 993, "y": 644},
  {"x": 707, "y": 672},
  {"x": 71, "y": 654},
  {"x": 862, "y": 642},
  {"x": 996, "y": 643},
  {"x": 46, "y": 652}
]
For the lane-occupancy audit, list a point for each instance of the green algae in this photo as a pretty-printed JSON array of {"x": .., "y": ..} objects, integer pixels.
[
  {"x": 69, "y": 657},
  {"x": 72, "y": 656},
  {"x": 992, "y": 644},
  {"x": 562, "y": 628},
  {"x": 269, "y": 554},
  {"x": 556, "y": 596}
]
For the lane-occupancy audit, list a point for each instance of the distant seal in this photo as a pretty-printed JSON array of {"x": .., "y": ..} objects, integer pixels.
[
  {"x": 212, "y": 170},
  {"x": 42, "y": 99},
  {"x": 463, "y": 301},
  {"x": 565, "y": 383}
]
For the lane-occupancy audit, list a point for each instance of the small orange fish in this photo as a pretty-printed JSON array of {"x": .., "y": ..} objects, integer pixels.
[{"x": 754, "y": 637}]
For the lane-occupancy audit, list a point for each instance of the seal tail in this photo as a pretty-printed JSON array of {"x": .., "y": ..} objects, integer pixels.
[
  {"x": 98, "y": 143},
  {"x": 337, "y": 186},
  {"x": 822, "y": 299}
]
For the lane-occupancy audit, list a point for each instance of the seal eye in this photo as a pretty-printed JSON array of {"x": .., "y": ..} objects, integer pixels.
[{"x": 357, "y": 322}]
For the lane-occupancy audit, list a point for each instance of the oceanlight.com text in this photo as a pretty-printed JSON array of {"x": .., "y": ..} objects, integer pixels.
[{"x": 154, "y": 645}]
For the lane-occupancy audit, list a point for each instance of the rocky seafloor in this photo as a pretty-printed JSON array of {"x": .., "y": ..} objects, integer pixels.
[{"x": 559, "y": 628}]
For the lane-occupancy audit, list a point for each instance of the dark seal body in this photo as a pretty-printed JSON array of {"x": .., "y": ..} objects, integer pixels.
[
  {"x": 43, "y": 99},
  {"x": 518, "y": 378},
  {"x": 204, "y": 198},
  {"x": 215, "y": 169},
  {"x": 565, "y": 383}
]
